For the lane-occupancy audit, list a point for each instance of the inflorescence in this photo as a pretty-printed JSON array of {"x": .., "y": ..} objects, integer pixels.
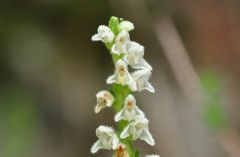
[{"x": 132, "y": 73}]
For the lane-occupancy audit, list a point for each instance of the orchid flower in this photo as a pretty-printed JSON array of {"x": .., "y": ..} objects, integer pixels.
[
  {"x": 138, "y": 128},
  {"x": 108, "y": 139},
  {"x": 134, "y": 56},
  {"x": 122, "y": 76},
  {"x": 129, "y": 111},
  {"x": 141, "y": 77},
  {"x": 104, "y": 34},
  {"x": 104, "y": 99},
  {"x": 120, "y": 46}
]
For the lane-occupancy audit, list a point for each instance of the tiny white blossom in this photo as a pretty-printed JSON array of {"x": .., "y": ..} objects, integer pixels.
[
  {"x": 141, "y": 77},
  {"x": 120, "y": 46},
  {"x": 134, "y": 56},
  {"x": 104, "y": 34},
  {"x": 107, "y": 139},
  {"x": 138, "y": 128},
  {"x": 153, "y": 155},
  {"x": 104, "y": 99},
  {"x": 126, "y": 25},
  {"x": 129, "y": 111},
  {"x": 122, "y": 76}
]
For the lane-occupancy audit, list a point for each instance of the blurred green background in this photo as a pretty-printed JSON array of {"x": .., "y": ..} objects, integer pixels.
[{"x": 50, "y": 72}]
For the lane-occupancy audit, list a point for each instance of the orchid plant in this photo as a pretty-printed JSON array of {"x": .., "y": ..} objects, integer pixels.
[{"x": 127, "y": 56}]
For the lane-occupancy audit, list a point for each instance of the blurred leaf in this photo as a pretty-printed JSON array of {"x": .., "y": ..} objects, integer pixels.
[
  {"x": 19, "y": 121},
  {"x": 213, "y": 113},
  {"x": 214, "y": 116},
  {"x": 211, "y": 83}
]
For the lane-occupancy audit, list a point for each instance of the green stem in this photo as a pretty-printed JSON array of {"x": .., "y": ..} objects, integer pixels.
[{"x": 120, "y": 92}]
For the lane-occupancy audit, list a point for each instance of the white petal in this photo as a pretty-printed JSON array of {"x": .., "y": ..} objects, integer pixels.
[
  {"x": 121, "y": 42},
  {"x": 136, "y": 133},
  {"x": 146, "y": 136},
  {"x": 146, "y": 73},
  {"x": 142, "y": 64},
  {"x": 115, "y": 142},
  {"x": 149, "y": 87},
  {"x": 97, "y": 109},
  {"x": 153, "y": 155},
  {"x": 130, "y": 98},
  {"x": 132, "y": 83},
  {"x": 125, "y": 133},
  {"x": 111, "y": 79},
  {"x": 140, "y": 112},
  {"x": 119, "y": 115},
  {"x": 104, "y": 129},
  {"x": 96, "y": 146},
  {"x": 113, "y": 50},
  {"x": 127, "y": 25},
  {"x": 96, "y": 37}
]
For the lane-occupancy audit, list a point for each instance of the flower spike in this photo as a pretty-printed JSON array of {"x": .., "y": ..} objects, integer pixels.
[{"x": 131, "y": 74}]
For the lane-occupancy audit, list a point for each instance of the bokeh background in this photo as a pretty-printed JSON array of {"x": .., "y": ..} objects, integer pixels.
[{"x": 50, "y": 72}]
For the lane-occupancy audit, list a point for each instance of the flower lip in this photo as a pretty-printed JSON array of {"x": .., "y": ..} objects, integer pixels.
[
  {"x": 129, "y": 105},
  {"x": 122, "y": 70}
]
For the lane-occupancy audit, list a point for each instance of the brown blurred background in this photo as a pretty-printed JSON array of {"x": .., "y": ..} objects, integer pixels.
[{"x": 50, "y": 72}]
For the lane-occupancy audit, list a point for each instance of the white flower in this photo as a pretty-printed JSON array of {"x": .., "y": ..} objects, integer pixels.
[
  {"x": 104, "y": 34},
  {"x": 120, "y": 46},
  {"x": 104, "y": 99},
  {"x": 141, "y": 77},
  {"x": 152, "y": 155},
  {"x": 134, "y": 56},
  {"x": 138, "y": 128},
  {"x": 129, "y": 111},
  {"x": 122, "y": 76},
  {"x": 107, "y": 139},
  {"x": 126, "y": 25}
]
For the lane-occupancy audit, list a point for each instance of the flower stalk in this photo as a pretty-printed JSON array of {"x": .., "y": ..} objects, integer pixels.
[{"x": 132, "y": 123}]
